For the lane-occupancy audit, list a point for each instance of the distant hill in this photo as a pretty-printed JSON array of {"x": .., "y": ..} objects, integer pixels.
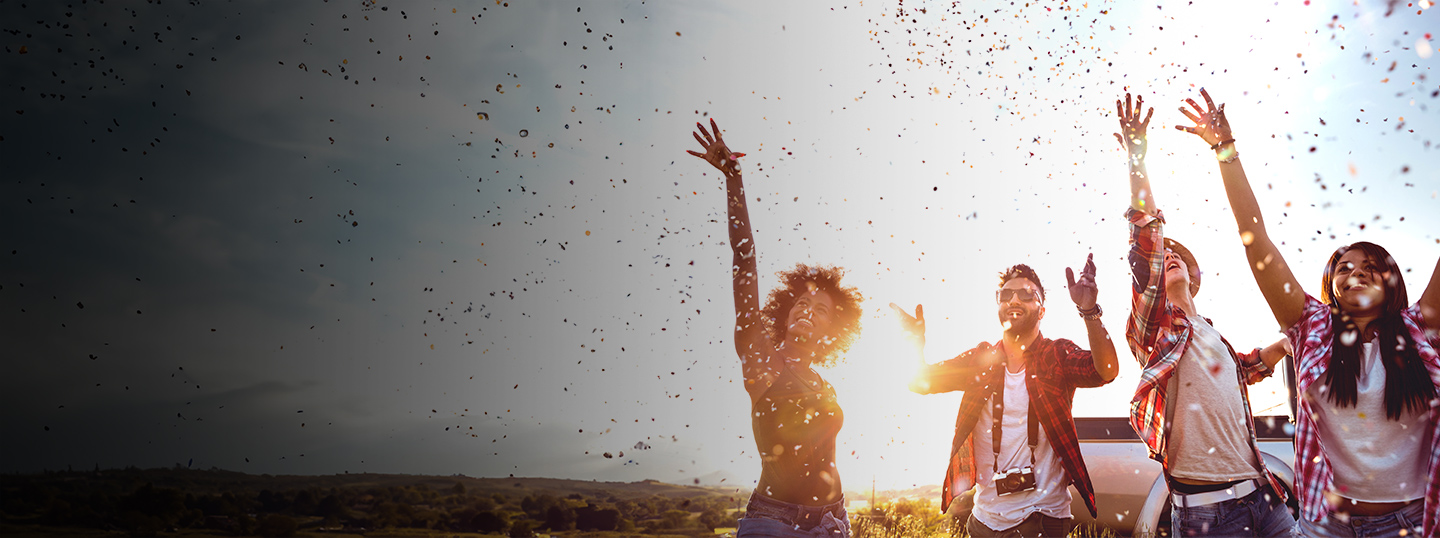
[
  {"x": 724, "y": 479},
  {"x": 919, "y": 492}
]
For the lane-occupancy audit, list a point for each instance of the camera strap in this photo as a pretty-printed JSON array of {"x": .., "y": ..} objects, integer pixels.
[{"x": 997, "y": 413}]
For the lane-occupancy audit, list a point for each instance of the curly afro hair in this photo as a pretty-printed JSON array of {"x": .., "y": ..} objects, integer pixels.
[{"x": 807, "y": 279}]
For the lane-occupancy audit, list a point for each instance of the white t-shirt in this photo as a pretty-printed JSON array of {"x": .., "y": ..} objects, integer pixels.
[
  {"x": 1209, "y": 437},
  {"x": 1374, "y": 459},
  {"x": 1051, "y": 495}
]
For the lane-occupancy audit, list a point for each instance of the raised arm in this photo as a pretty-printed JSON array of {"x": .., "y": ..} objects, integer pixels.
[
  {"x": 1148, "y": 307},
  {"x": 1132, "y": 139},
  {"x": 1257, "y": 365},
  {"x": 1102, "y": 349},
  {"x": 1277, "y": 283},
  {"x": 958, "y": 373},
  {"x": 913, "y": 327},
  {"x": 749, "y": 328},
  {"x": 1430, "y": 303}
]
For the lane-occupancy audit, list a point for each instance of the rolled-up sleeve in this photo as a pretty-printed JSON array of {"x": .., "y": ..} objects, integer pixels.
[
  {"x": 1077, "y": 365},
  {"x": 1148, "y": 313}
]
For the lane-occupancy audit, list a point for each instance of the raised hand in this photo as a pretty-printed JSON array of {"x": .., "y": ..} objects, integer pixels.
[
  {"x": 1132, "y": 128},
  {"x": 1083, "y": 291},
  {"x": 716, "y": 153},
  {"x": 914, "y": 326},
  {"x": 1210, "y": 123}
]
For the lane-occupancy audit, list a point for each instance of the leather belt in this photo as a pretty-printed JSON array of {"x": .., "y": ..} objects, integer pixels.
[{"x": 1211, "y": 497}]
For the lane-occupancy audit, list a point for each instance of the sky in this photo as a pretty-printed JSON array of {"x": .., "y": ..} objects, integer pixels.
[{"x": 465, "y": 238}]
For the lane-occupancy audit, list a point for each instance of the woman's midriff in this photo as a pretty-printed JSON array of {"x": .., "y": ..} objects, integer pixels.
[
  {"x": 795, "y": 428},
  {"x": 1362, "y": 508}
]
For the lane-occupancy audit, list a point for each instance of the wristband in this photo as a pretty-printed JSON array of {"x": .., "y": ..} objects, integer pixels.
[
  {"x": 1221, "y": 143},
  {"x": 1093, "y": 313}
]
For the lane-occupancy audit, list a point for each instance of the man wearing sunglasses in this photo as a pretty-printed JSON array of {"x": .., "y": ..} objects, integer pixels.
[{"x": 1015, "y": 436}]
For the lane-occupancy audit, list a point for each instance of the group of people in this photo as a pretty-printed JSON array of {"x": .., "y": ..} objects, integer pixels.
[{"x": 1367, "y": 433}]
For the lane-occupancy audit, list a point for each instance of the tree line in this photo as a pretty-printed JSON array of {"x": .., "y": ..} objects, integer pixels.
[{"x": 148, "y": 509}]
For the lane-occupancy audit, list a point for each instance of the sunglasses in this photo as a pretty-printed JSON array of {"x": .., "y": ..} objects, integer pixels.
[{"x": 1004, "y": 295}]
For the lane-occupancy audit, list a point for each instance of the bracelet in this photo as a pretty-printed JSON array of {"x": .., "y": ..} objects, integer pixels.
[
  {"x": 1221, "y": 143},
  {"x": 1227, "y": 156},
  {"x": 1093, "y": 313}
]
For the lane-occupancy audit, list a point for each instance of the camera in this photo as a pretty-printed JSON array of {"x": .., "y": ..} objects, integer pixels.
[{"x": 1014, "y": 480}]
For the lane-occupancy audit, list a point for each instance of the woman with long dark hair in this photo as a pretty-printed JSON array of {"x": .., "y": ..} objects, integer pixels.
[
  {"x": 1366, "y": 458},
  {"x": 809, "y": 320}
]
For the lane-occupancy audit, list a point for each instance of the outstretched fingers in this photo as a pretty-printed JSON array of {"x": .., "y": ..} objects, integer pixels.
[
  {"x": 1192, "y": 117},
  {"x": 1196, "y": 105},
  {"x": 1146, "y": 123},
  {"x": 1208, "y": 102},
  {"x": 696, "y": 153},
  {"x": 899, "y": 311},
  {"x": 905, "y": 317},
  {"x": 1087, "y": 274}
]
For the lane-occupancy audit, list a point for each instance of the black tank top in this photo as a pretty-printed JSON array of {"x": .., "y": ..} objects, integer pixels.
[{"x": 795, "y": 423}]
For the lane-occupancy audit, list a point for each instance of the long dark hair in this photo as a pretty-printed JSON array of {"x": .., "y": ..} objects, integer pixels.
[{"x": 1407, "y": 383}]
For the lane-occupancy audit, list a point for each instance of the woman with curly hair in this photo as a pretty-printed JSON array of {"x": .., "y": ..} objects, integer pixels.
[
  {"x": 807, "y": 321},
  {"x": 1366, "y": 458}
]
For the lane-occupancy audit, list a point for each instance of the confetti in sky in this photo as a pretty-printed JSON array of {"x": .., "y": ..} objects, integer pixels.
[{"x": 541, "y": 281}]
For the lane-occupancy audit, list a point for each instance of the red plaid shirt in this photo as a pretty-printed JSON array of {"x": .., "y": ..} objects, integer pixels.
[
  {"x": 1159, "y": 331},
  {"x": 1313, "y": 337},
  {"x": 1056, "y": 367}
]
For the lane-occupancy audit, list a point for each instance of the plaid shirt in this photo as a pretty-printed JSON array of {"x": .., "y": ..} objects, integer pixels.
[
  {"x": 1056, "y": 367},
  {"x": 1159, "y": 331},
  {"x": 1313, "y": 338}
]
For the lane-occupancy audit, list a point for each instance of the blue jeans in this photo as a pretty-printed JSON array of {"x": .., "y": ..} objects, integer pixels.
[
  {"x": 1409, "y": 518},
  {"x": 770, "y": 518},
  {"x": 1037, "y": 524},
  {"x": 1258, "y": 514}
]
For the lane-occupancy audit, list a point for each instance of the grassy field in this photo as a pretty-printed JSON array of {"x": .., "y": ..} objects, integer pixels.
[{"x": 183, "y": 503}]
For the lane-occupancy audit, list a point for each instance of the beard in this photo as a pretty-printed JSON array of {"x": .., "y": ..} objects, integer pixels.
[{"x": 1018, "y": 326}]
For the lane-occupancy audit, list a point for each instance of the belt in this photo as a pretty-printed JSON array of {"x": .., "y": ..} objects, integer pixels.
[
  {"x": 1211, "y": 497},
  {"x": 803, "y": 517}
]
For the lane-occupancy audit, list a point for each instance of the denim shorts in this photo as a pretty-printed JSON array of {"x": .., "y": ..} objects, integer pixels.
[
  {"x": 1409, "y": 518},
  {"x": 1258, "y": 514},
  {"x": 769, "y": 518}
]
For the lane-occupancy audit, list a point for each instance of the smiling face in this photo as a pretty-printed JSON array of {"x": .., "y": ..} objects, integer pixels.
[
  {"x": 810, "y": 318},
  {"x": 1177, "y": 274},
  {"x": 1020, "y": 306},
  {"x": 1359, "y": 285}
]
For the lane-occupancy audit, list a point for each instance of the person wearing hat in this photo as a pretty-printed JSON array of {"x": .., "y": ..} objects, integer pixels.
[{"x": 1191, "y": 408}]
